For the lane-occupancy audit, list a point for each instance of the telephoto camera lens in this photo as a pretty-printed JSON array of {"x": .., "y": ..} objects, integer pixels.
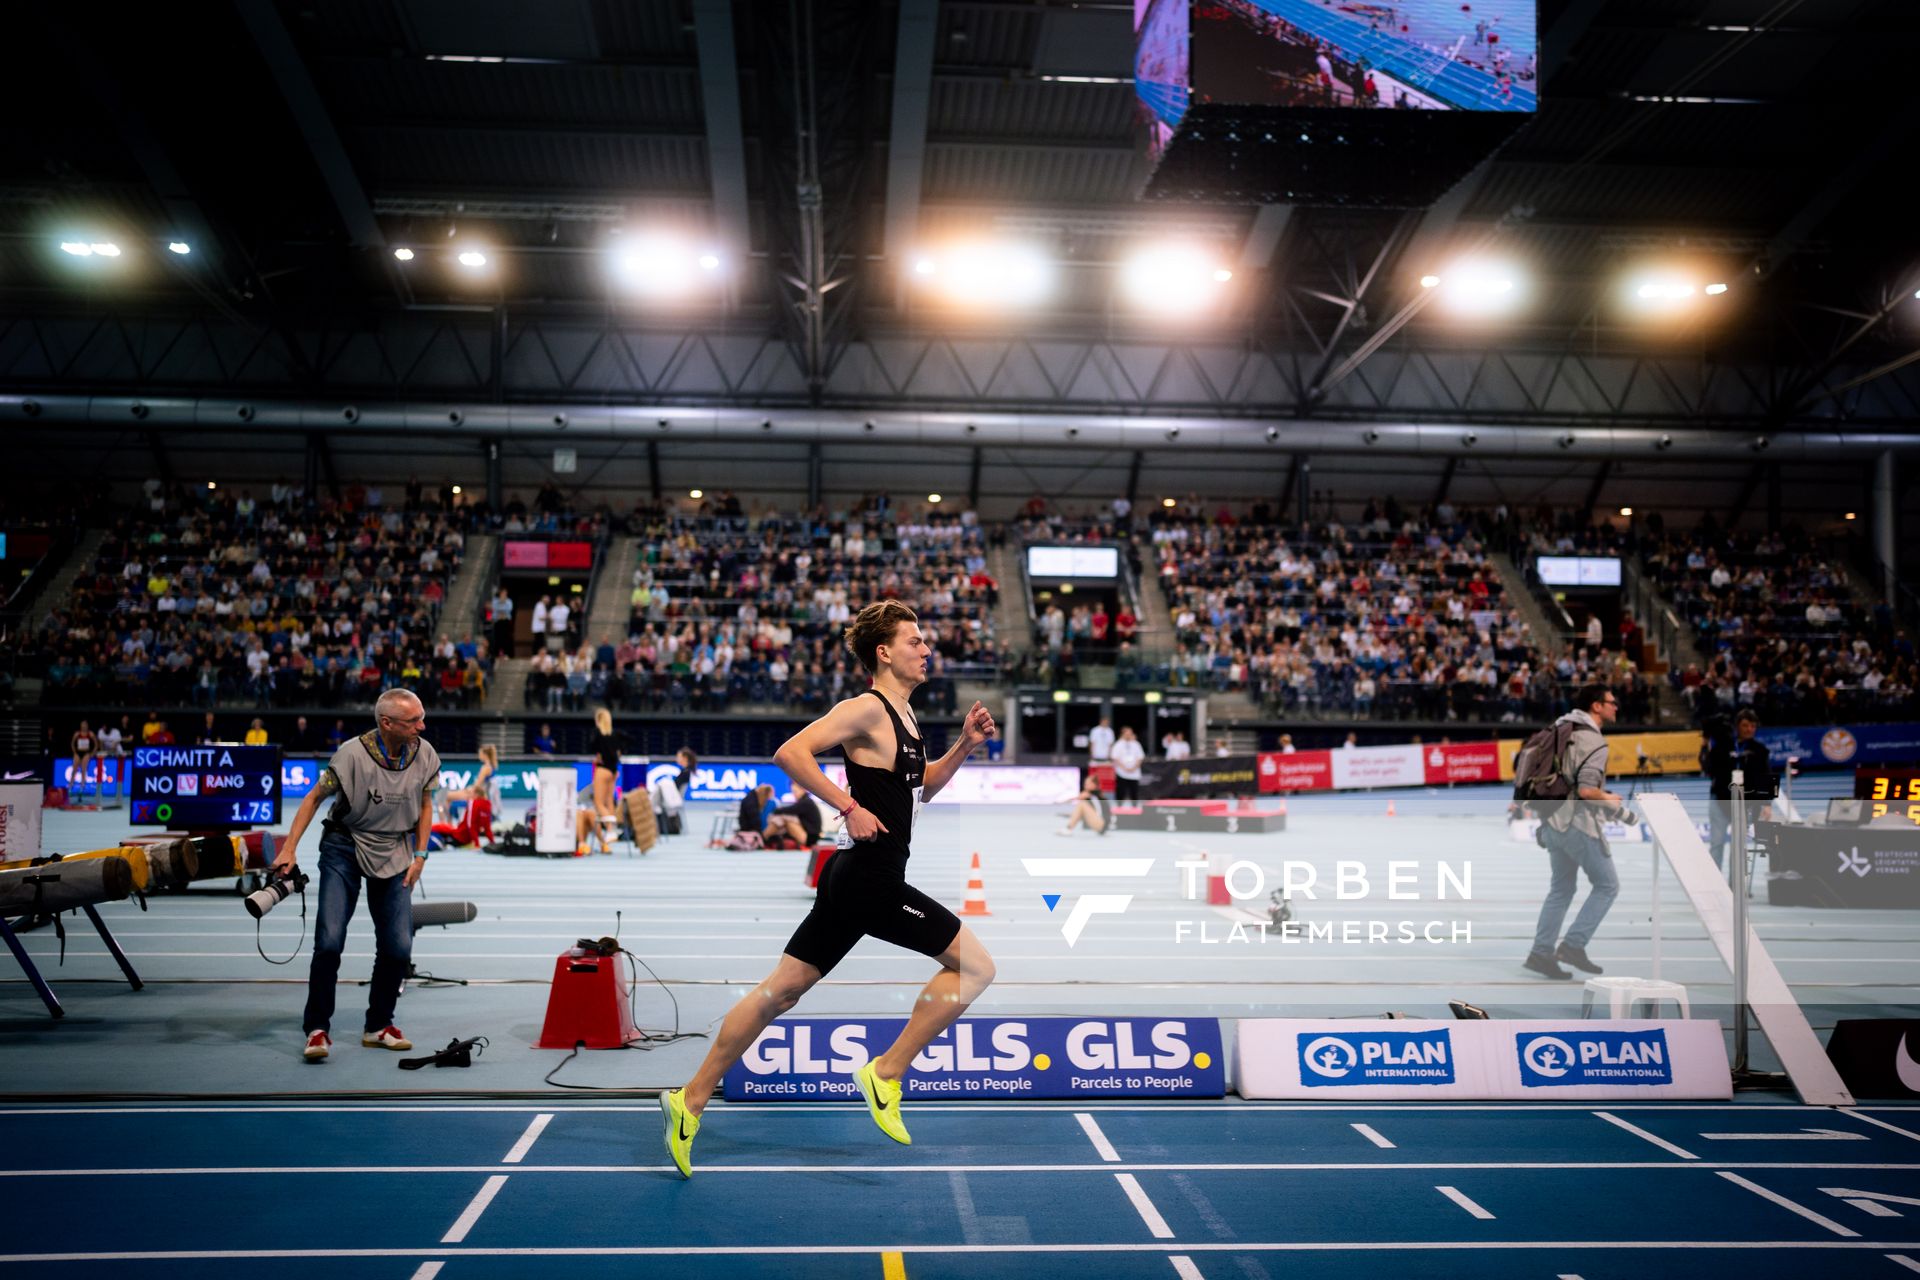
[{"x": 275, "y": 891}]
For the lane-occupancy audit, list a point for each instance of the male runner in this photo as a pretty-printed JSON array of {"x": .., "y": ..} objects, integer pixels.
[{"x": 864, "y": 888}]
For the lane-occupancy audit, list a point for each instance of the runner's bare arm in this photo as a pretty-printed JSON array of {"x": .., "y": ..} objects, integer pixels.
[
  {"x": 851, "y": 721},
  {"x": 974, "y": 730}
]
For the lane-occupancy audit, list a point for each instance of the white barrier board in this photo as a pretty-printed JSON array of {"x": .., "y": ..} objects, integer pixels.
[{"x": 1575, "y": 1059}]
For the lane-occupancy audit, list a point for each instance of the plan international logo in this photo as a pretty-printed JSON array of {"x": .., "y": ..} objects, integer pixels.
[
  {"x": 1594, "y": 1057},
  {"x": 1376, "y": 1057}
]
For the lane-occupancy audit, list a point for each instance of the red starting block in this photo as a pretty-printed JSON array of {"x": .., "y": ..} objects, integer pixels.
[{"x": 587, "y": 1005}]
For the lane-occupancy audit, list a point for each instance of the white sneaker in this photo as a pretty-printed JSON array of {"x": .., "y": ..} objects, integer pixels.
[
  {"x": 390, "y": 1038},
  {"x": 318, "y": 1044},
  {"x": 1065, "y": 831}
]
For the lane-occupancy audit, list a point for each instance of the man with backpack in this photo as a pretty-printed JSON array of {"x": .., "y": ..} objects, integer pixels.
[{"x": 1562, "y": 773}]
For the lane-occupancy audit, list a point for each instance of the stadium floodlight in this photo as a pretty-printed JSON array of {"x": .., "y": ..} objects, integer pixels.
[
  {"x": 1626, "y": 511},
  {"x": 662, "y": 266},
  {"x": 986, "y": 275},
  {"x": 90, "y": 248},
  {"x": 1669, "y": 290},
  {"x": 472, "y": 259},
  {"x": 1479, "y": 287},
  {"x": 934, "y": 498},
  {"x": 1174, "y": 279},
  {"x": 403, "y": 253},
  {"x": 180, "y": 247},
  {"x": 78, "y": 248},
  {"x": 1850, "y": 515},
  {"x": 1715, "y": 289},
  {"x": 457, "y": 491},
  {"x": 696, "y": 493},
  {"x": 1168, "y": 502}
]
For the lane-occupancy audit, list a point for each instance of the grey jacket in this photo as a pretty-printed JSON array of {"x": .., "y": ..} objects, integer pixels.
[{"x": 1586, "y": 764}]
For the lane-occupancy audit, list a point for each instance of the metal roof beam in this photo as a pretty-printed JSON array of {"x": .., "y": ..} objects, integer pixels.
[
  {"x": 907, "y": 141},
  {"x": 1263, "y": 237},
  {"x": 726, "y": 139}
]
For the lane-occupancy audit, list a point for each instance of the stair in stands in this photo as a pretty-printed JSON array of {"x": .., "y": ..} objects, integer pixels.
[
  {"x": 611, "y": 606},
  {"x": 81, "y": 557},
  {"x": 460, "y": 615},
  {"x": 508, "y": 686}
]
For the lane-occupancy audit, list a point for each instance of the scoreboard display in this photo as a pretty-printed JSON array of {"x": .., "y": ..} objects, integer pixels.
[
  {"x": 198, "y": 788},
  {"x": 1895, "y": 790}
]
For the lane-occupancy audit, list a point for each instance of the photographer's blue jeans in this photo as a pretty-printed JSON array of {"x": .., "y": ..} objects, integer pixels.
[
  {"x": 390, "y": 903},
  {"x": 1572, "y": 852},
  {"x": 1719, "y": 829}
]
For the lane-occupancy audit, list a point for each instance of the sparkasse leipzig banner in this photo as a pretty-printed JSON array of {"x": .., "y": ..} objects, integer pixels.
[{"x": 813, "y": 1059}]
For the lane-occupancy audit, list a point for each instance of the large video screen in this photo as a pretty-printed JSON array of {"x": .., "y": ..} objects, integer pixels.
[
  {"x": 1415, "y": 55},
  {"x": 1073, "y": 562},
  {"x": 1578, "y": 571}
]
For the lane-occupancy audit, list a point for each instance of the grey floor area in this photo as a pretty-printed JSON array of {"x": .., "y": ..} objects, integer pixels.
[{"x": 216, "y": 1019}]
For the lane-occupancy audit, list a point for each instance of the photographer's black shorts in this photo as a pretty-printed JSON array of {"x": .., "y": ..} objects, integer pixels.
[{"x": 864, "y": 892}]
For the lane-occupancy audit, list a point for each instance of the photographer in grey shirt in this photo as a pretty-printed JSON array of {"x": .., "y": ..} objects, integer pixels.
[
  {"x": 1572, "y": 834},
  {"x": 375, "y": 833}
]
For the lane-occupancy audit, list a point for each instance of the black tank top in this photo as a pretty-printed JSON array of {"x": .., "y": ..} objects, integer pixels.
[{"x": 890, "y": 794}]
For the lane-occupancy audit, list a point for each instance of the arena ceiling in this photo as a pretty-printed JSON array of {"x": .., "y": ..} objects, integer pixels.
[{"x": 814, "y": 146}]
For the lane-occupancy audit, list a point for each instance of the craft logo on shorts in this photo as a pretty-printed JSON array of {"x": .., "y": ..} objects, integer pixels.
[
  {"x": 1560, "y": 1058},
  {"x": 1376, "y": 1057},
  {"x": 1838, "y": 746}
]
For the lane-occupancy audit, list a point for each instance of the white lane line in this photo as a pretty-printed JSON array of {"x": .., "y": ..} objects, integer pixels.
[
  {"x": 428, "y": 1270},
  {"x": 1305, "y": 1166},
  {"x": 8, "y": 1111},
  {"x": 1184, "y": 1268},
  {"x": 1873, "y": 1208},
  {"x": 1096, "y": 1137},
  {"x": 527, "y": 1139},
  {"x": 471, "y": 1214},
  {"x": 1902, "y": 1260},
  {"x": 1372, "y": 1135},
  {"x": 1638, "y": 1132},
  {"x": 832, "y": 1250},
  {"x": 1150, "y": 1215},
  {"x": 1891, "y": 1128},
  {"x": 1565, "y": 1276},
  {"x": 1784, "y": 1203},
  {"x": 1460, "y": 1199}
]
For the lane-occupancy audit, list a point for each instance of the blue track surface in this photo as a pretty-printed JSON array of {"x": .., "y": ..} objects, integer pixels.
[{"x": 1211, "y": 1190}]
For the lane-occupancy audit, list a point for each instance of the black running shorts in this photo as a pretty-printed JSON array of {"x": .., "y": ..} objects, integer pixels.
[{"x": 866, "y": 892}]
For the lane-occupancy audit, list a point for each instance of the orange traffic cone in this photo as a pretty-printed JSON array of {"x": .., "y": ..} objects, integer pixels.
[
  {"x": 976, "y": 903},
  {"x": 1389, "y": 808}
]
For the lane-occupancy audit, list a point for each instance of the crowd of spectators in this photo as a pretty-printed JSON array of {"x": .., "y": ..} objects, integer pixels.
[
  {"x": 211, "y": 597},
  {"x": 729, "y": 608},
  {"x": 1396, "y": 617},
  {"x": 1780, "y": 629}
]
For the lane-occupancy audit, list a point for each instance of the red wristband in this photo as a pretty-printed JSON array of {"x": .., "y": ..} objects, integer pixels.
[{"x": 849, "y": 809}]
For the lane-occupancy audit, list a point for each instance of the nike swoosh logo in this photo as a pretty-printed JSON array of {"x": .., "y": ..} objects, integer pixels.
[
  {"x": 1904, "y": 1065},
  {"x": 15, "y": 777},
  {"x": 683, "y": 1129},
  {"x": 879, "y": 1104}
]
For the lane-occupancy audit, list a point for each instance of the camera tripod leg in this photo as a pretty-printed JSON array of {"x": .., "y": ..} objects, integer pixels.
[{"x": 119, "y": 956}]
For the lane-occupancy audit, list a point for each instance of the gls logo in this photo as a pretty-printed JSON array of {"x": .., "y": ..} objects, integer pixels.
[
  {"x": 1376, "y": 1057},
  {"x": 1090, "y": 1046},
  {"x": 1594, "y": 1057},
  {"x": 1092, "y": 904}
]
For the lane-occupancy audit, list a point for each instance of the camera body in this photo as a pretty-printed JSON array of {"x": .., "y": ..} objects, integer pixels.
[{"x": 275, "y": 891}]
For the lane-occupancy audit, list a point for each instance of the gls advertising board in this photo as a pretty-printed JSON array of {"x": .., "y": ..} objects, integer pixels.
[
  {"x": 813, "y": 1059},
  {"x": 1593, "y": 1059}
]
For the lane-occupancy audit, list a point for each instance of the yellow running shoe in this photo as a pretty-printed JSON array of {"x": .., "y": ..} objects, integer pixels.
[
  {"x": 681, "y": 1127},
  {"x": 883, "y": 1103}
]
